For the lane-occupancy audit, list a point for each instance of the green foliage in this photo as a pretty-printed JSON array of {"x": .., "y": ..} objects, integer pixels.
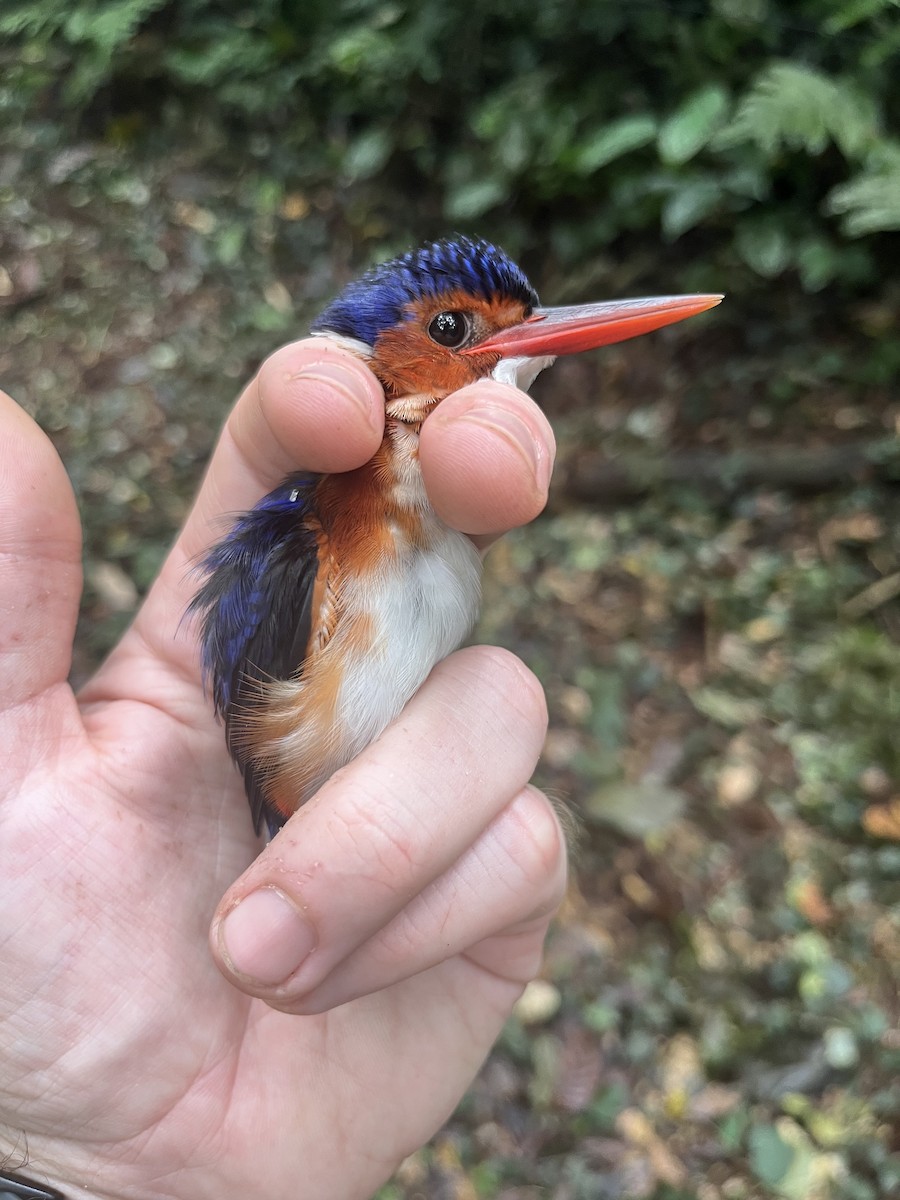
[
  {"x": 870, "y": 202},
  {"x": 760, "y": 132},
  {"x": 692, "y": 125},
  {"x": 791, "y": 106},
  {"x": 759, "y": 126},
  {"x": 770, "y": 1157},
  {"x": 92, "y": 33}
]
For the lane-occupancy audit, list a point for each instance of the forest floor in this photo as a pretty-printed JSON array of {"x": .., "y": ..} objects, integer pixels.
[{"x": 711, "y": 603}]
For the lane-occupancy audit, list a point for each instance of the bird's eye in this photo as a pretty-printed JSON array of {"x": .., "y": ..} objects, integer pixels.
[{"x": 449, "y": 329}]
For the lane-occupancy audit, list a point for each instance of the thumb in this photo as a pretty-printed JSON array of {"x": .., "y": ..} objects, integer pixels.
[{"x": 40, "y": 560}]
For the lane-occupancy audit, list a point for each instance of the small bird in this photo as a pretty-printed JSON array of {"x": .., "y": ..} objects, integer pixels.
[{"x": 325, "y": 607}]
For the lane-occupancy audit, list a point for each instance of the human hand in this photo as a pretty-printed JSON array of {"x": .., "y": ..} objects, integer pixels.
[{"x": 420, "y": 879}]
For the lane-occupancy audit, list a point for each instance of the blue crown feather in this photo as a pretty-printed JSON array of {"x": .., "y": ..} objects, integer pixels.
[{"x": 378, "y": 300}]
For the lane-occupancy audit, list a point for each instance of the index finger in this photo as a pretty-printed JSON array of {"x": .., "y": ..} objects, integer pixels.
[
  {"x": 487, "y": 454},
  {"x": 40, "y": 562}
]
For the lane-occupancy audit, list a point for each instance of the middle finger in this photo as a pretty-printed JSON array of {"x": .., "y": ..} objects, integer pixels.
[{"x": 385, "y": 827}]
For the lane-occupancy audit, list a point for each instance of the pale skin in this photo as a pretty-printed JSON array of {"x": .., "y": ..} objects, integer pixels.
[{"x": 151, "y": 1047}]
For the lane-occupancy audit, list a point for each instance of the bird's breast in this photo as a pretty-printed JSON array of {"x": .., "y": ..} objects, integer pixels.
[
  {"x": 416, "y": 608},
  {"x": 420, "y": 598},
  {"x": 403, "y": 591}
]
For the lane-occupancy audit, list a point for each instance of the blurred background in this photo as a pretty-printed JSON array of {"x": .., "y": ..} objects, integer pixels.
[{"x": 711, "y": 599}]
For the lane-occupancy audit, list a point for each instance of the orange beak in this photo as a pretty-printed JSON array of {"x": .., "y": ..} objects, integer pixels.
[{"x": 554, "y": 331}]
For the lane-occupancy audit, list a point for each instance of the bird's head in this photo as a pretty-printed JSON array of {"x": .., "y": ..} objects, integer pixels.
[{"x": 458, "y": 310}]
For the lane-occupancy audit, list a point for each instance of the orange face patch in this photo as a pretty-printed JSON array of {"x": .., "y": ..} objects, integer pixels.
[{"x": 409, "y": 362}]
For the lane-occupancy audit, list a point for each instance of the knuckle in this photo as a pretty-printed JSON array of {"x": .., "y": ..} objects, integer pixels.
[
  {"x": 373, "y": 840},
  {"x": 403, "y": 940}
]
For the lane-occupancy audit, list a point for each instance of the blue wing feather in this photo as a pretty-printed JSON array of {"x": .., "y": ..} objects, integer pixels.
[{"x": 255, "y": 612}]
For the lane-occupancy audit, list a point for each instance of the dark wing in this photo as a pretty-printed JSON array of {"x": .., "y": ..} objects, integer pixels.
[{"x": 255, "y": 610}]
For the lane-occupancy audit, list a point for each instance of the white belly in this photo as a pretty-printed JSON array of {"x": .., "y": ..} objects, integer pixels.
[{"x": 421, "y": 605}]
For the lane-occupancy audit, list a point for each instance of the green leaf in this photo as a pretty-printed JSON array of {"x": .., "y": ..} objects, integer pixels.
[
  {"x": 732, "y": 1129},
  {"x": 749, "y": 181},
  {"x": 764, "y": 248},
  {"x": 692, "y": 125},
  {"x": 267, "y": 319},
  {"x": 869, "y": 203},
  {"x": 770, "y": 1157},
  {"x": 688, "y": 206},
  {"x": 841, "y": 1048},
  {"x": 29, "y": 20},
  {"x": 854, "y": 12},
  {"x": 474, "y": 198},
  {"x": 818, "y": 263},
  {"x": 725, "y": 709},
  {"x": 367, "y": 154},
  {"x": 637, "y": 809},
  {"x": 229, "y": 243},
  {"x": 613, "y": 140},
  {"x": 109, "y": 25}
]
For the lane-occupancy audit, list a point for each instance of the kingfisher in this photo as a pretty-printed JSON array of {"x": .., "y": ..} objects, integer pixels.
[{"x": 324, "y": 608}]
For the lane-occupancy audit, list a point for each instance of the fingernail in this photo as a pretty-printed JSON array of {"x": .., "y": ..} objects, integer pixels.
[
  {"x": 515, "y": 433},
  {"x": 265, "y": 938},
  {"x": 336, "y": 376}
]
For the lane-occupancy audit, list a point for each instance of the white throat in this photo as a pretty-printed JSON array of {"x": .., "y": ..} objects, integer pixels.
[{"x": 520, "y": 372}]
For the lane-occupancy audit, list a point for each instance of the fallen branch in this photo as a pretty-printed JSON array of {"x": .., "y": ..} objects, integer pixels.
[
  {"x": 592, "y": 477},
  {"x": 882, "y": 591}
]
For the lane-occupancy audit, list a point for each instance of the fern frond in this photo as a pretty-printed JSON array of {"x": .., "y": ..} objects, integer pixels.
[
  {"x": 796, "y": 107},
  {"x": 870, "y": 203},
  {"x": 854, "y": 12},
  {"x": 108, "y": 25},
  {"x": 29, "y": 20}
]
